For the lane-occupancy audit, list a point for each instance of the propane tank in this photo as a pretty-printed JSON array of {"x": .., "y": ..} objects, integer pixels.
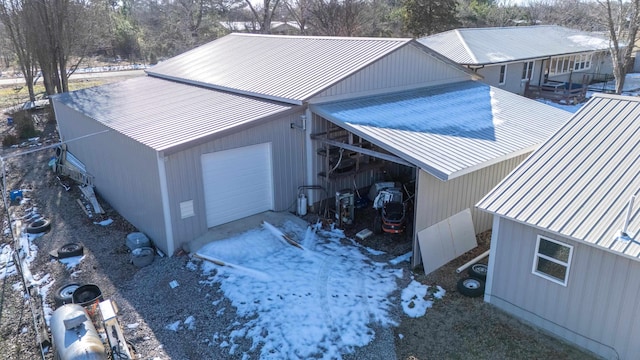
[
  {"x": 302, "y": 204},
  {"x": 74, "y": 336}
]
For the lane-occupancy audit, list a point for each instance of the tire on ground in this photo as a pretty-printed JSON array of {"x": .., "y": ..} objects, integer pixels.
[
  {"x": 70, "y": 250},
  {"x": 478, "y": 271},
  {"x": 470, "y": 287},
  {"x": 64, "y": 294},
  {"x": 39, "y": 226}
]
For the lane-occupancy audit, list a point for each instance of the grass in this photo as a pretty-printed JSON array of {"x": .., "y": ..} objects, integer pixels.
[{"x": 11, "y": 95}]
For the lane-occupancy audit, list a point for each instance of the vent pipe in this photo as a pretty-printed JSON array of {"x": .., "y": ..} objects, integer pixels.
[{"x": 623, "y": 233}]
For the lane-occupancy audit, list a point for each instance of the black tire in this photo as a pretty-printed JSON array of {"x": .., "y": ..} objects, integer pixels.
[
  {"x": 87, "y": 294},
  {"x": 377, "y": 225},
  {"x": 471, "y": 287},
  {"x": 70, "y": 250},
  {"x": 39, "y": 226},
  {"x": 478, "y": 271},
  {"x": 64, "y": 294}
]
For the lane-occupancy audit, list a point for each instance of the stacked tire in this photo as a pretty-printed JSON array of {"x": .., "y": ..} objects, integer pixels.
[{"x": 473, "y": 285}]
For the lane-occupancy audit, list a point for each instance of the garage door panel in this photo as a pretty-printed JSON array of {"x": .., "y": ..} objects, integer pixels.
[{"x": 237, "y": 183}]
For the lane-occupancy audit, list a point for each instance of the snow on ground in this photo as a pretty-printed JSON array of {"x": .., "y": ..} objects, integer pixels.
[
  {"x": 631, "y": 88},
  {"x": 417, "y": 298},
  {"x": 317, "y": 301}
]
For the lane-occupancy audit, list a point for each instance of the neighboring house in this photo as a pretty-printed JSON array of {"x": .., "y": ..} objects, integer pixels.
[
  {"x": 277, "y": 27},
  {"x": 248, "y": 123},
  {"x": 511, "y": 57},
  {"x": 557, "y": 256}
]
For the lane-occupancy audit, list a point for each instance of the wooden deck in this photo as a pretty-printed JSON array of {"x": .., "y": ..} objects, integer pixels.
[{"x": 558, "y": 91}]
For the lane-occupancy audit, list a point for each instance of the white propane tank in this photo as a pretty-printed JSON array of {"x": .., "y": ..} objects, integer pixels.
[
  {"x": 302, "y": 204},
  {"x": 74, "y": 336}
]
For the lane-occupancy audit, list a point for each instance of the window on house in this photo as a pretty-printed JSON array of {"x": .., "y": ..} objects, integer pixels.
[
  {"x": 503, "y": 74},
  {"x": 527, "y": 70},
  {"x": 564, "y": 64},
  {"x": 552, "y": 260}
]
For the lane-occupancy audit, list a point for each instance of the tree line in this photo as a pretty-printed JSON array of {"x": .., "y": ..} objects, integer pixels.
[{"x": 50, "y": 38}]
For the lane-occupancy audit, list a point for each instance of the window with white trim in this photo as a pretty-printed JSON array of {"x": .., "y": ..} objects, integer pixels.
[
  {"x": 503, "y": 74},
  {"x": 565, "y": 64},
  {"x": 527, "y": 70},
  {"x": 552, "y": 260}
]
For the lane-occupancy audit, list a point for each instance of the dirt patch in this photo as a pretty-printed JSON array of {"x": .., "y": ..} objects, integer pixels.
[{"x": 456, "y": 326}]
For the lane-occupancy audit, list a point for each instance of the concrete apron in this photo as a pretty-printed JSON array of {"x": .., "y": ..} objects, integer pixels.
[{"x": 240, "y": 226}]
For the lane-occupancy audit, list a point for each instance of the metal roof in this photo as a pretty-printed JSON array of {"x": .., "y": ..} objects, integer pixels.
[
  {"x": 284, "y": 68},
  {"x": 163, "y": 114},
  {"x": 449, "y": 130},
  {"x": 579, "y": 182},
  {"x": 481, "y": 46}
]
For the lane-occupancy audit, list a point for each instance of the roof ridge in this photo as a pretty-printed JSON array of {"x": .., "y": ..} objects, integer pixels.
[{"x": 350, "y": 38}]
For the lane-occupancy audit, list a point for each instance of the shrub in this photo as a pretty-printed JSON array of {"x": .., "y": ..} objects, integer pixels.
[
  {"x": 24, "y": 125},
  {"x": 9, "y": 140}
]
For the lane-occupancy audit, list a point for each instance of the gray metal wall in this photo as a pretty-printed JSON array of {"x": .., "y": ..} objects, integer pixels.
[
  {"x": 405, "y": 68},
  {"x": 126, "y": 173},
  {"x": 513, "y": 81},
  {"x": 437, "y": 200},
  {"x": 184, "y": 171},
  {"x": 597, "y": 310}
]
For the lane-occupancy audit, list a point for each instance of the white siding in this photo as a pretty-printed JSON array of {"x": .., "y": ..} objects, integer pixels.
[
  {"x": 597, "y": 310},
  {"x": 437, "y": 200}
]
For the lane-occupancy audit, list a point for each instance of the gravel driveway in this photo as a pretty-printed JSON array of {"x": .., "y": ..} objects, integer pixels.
[{"x": 456, "y": 327}]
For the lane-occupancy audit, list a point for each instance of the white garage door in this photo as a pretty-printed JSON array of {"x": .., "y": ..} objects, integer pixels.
[{"x": 237, "y": 183}]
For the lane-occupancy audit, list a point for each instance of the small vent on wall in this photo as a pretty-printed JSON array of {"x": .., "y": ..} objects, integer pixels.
[{"x": 186, "y": 209}]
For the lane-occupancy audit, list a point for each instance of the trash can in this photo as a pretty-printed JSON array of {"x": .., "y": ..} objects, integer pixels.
[{"x": 15, "y": 195}]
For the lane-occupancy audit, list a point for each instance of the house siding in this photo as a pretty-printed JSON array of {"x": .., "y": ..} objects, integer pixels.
[
  {"x": 184, "y": 171},
  {"x": 513, "y": 80},
  {"x": 131, "y": 185},
  {"x": 597, "y": 310},
  {"x": 405, "y": 68},
  {"x": 437, "y": 200}
]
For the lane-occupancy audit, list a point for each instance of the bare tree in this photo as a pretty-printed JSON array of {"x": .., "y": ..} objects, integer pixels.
[
  {"x": 16, "y": 25},
  {"x": 300, "y": 11},
  {"x": 337, "y": 17},
  {"x": 263, "y": 13},
  {"x": 622, "y": 20}
]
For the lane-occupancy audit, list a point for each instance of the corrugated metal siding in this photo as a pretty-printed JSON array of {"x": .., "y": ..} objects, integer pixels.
[
  {"x": 437, "y": 200},
  {"x": 130, "y": 184},
  {"x": 184, "y": 171},
  {"x": 597, "y": 310},
  {"x": 408, "y": 66},
  {"x": 448, "y": 130},
  {"x": 164, "y": 114},
  {"x": 578, "y": 183},
  {"x": 515, "y": 43},
  {"x": 278, "y": 67}
]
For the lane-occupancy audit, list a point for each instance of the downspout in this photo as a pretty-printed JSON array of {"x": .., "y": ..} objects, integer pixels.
[
  {"x": 166, "y": 209},
  {"x": 307, "y": 124}
]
